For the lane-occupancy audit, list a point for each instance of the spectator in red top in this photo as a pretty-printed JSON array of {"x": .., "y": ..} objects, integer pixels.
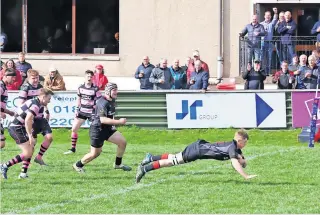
[
  {"x": 17, "y": 83},
  {"x": 191, "y": 68},
  {"x": 99, "y": 79}
]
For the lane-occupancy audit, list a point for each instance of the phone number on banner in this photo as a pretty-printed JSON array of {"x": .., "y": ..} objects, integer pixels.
[{"x": 62, "y": 108}]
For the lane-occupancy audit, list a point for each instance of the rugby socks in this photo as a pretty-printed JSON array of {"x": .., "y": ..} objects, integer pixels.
[
  {"x": 74, "y": 139},
  {"x": 159, "y": 157},
  {"x": 43, "y": 148},
  {"x": 15, "y": 160},
  {"x": 79, "y": 164},
  {"x": 152, "y": 166},
  {"x": 118, "y": 161},
  {"x": 25, "y": 165}
]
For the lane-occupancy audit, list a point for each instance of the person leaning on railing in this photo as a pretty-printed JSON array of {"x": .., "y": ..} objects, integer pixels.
[
  {"x": 255, "y": 31},
  {"x": 284, "y": 78},
  {"x": 316, "y": 30},
  {"x": 254, "y": 76},
  {"x": 287, "y": 30}
]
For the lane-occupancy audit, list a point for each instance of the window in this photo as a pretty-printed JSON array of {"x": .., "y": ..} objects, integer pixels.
[
  {"x": 307, "y": 17},
  {"x": 11, "y": 25},
  {"x": 49, "y": 26},
  {"x": 97, "y": 25},
  {"x": 60, "y": 26}
]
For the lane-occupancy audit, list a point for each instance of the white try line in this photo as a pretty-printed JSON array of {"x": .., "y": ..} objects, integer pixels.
[{"x": 139, "y": 186}]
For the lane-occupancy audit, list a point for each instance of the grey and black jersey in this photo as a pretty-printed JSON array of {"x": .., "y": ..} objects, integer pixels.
[
  {"x": 104, "y": 108},
  {"x": 205, "y": 150}
]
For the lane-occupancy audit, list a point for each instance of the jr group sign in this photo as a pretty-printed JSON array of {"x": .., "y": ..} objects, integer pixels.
[{"x": 224, "y": 110}]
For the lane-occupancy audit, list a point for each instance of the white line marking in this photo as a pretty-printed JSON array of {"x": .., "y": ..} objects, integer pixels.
[{"x": 139, "y": 186}]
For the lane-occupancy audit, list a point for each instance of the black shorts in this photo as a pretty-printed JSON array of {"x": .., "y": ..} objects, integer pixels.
[
  {"x": 2, "y": 138},
  {"x": 82, "y": 115},
  {"x": 40, "y": 125},
  {"x": 18, "y": 133},
  {"x": 192, "y": 152},
  {"x": 98, "y": 135}
]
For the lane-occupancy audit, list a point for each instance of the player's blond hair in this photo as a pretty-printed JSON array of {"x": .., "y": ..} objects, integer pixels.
[
  {"x": 32, "y": 72},
  {"x": 45, "y": 92},
  {"x": 243, "y": 133}
]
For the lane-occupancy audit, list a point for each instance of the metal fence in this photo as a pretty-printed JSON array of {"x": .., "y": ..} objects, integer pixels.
[{"x": 271, "y": 53}]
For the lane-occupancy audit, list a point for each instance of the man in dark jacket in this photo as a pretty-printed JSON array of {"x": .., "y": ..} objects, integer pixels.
[
  {"x": 316, "y": 30},
  {"x": 253, "y": 43},
  {"x": 23, "y": 66},
  {"x": 199, "y": 78},
  {"x": 143, "y": 74},
  {"x": 254, "y": 77},
  {"x": 161, "y": 76},
  {"x": 287, "y": 30},
  {"x": 179, "y": 76},
  {"x": 284, "y": 78}
]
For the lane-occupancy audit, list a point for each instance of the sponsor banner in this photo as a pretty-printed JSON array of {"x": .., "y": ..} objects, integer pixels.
[
  {"x": 302, "y": 109},
  {"x": 224, "y": 110},
  {"x": 62, "y": 109}
]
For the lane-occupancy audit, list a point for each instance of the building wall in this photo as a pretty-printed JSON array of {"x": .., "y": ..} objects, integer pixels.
[{"x": 163, "y": 28}]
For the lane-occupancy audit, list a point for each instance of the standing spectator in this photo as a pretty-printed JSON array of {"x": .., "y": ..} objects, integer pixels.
[
  {"x": 22, "y": 65},
  {"x": 284, "y": 78},
  {"x": 191, "y": 66},
  {"x": 255, "y": 31},
  {"x": 301, "y": 72},
  {"x": 188, "y": 61},
  {"x": 199, "y": 79},
  {"x": 179, "y": 76},
  {"x": 54, "y": 81},
  {"x": 294, "y": 66},
  {"x": 318, "y": 53},
  {"x": 277, "y": 36},
  {"x": 161, "y": 76},
  {"x": 254, "y": 77},
  {"x": 267, "y": 44},
  {"x": 312, "y": 74},
  {"x": 3, "y": 40},
  {"x": 143, "y": 74},
  {"x": 99, "y": 78},
  {"x": 316, "y": 30},
  {"x": 18, "y": 82},
  {"x": 287, "y": 29}
]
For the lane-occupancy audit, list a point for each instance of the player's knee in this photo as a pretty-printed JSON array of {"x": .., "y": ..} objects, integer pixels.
[
  {"x": 49, "y": 138},
  {"x": 122, "y": 144},
  {"x": 2, "y": 144},
  {"x": 28, "y": 153}
]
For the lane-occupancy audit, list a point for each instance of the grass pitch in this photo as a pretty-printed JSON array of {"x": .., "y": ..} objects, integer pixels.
[{"x": 288, "y": 177}]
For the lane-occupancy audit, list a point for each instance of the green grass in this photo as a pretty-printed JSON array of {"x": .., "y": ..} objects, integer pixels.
[{"x": 288, "y": 177}]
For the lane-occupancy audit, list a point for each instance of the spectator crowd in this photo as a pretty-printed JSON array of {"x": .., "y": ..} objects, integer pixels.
[{"x": 297, "y": 72}]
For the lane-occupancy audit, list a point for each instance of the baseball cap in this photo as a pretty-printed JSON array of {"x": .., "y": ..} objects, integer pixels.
[
  {"x": 196, "y": 53},
  {"x": 257, "y": 61},
  {"x": 52, "y": 69},
  {"x": 99, "y": 66}
]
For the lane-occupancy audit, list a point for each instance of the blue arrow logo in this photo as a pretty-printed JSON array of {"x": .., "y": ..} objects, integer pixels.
[{"x": 263, "y": 110}]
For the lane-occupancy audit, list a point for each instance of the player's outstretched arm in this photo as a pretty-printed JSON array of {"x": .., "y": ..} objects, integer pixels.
[
  {"x": 237, "y": 166},
  {"x": 108, "y": 121}
]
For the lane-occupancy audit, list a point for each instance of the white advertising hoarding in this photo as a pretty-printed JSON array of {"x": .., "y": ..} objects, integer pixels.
[
  {"x": 224, "y": 110},
  {"x": 62, "y": 109}
]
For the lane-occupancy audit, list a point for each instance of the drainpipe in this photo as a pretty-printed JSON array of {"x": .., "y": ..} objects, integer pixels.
[{"x": 220, "y": 54}]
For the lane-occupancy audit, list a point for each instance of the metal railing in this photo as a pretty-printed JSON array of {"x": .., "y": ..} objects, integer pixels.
[{"x": 272, "y": 52}]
